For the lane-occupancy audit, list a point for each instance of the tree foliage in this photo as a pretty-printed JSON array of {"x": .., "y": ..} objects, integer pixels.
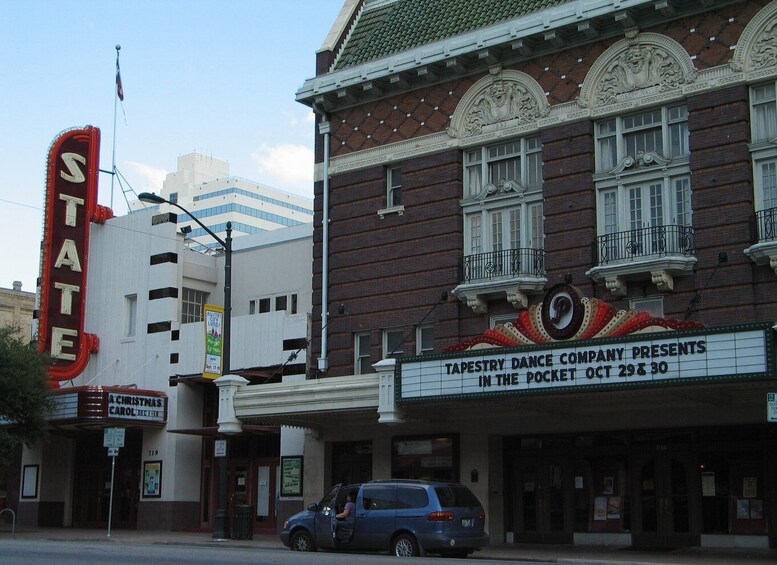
[{"x": 24, "y": 392}]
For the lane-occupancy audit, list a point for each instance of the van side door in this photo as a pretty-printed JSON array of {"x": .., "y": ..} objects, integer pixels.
[
  {"x": 324, "y": 528},
  {"x": 375, "y": 516}
]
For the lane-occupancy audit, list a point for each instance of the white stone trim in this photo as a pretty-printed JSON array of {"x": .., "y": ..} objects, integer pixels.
[{"x": 760, "y": 31}]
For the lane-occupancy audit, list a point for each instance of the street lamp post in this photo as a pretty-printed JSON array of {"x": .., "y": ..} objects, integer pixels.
[{"x": 220, "y": 522}]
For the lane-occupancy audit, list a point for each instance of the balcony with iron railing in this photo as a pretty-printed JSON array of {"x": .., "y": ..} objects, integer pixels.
[
  {"x": 509, "y": 272},
  {"x": 764, "y": 235},
  {"x": 657, "y": 252},
  {"x": 650, "y": 242},
  {"x": 765, "y": 224}
]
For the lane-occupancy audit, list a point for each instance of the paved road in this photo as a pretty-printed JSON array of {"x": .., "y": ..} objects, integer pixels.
[{"x": 42, "y": 552}]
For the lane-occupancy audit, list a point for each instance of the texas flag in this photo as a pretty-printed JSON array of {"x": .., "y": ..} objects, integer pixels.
[{"x": 119, "y": 89}]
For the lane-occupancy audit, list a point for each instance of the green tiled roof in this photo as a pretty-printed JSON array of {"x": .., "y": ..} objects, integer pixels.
[{"x": 405, "y": 24}]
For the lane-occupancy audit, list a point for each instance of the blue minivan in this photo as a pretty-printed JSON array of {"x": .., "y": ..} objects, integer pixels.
[{"x": 404, "y": 517}]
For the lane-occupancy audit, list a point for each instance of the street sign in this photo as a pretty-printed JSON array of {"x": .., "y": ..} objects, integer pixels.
[
  {"x": 220, "y": 448},
  {"x": 771, "y": 406},
  {"x": 113, "y": 451},
  {"x": 113, "y": 437}
]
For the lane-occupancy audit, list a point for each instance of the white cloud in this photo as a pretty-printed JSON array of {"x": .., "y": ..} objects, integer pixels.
[
  {"x": 287, "y": 167},
  {"x": 145, "y": 178}
]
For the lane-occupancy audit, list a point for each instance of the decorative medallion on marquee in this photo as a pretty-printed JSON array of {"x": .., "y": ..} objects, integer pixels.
[
  {"x": 71, "y": 205},
  {"x": 565, "y": 314}
]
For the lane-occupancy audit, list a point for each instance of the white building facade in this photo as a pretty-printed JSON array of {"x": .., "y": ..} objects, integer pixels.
[{"x": 145, "y": 301}]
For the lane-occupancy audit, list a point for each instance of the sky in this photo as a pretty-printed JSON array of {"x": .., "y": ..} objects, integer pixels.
[{"x": 214, "y": 76}]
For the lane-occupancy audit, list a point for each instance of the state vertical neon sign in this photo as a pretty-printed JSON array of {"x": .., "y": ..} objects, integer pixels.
[{"x": 71, "y": 206}]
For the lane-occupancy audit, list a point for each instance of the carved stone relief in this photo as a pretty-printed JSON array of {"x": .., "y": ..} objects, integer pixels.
[
  {"x": 505, "y": 97},
  {"x": 757, "y": 48},
  {"x": 638, "y": 65}
]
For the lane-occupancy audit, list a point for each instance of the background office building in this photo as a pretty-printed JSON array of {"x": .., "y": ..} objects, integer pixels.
[{"x": 202, "y": 185}]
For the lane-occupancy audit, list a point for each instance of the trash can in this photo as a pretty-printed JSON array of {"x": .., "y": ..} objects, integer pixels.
[{"x": 243, "y": 523}]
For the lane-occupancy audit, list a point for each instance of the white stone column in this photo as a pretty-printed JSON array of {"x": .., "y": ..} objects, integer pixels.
[
  {"x": 387, "y": 410},
  {"x": 228, "y": 385}
]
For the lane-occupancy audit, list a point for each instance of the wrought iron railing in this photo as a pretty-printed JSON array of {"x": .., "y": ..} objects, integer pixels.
[
  {"x": 766, "y": 225},
  {"x": 523, "y": 262},
  {"x": 643, "y": 243}
]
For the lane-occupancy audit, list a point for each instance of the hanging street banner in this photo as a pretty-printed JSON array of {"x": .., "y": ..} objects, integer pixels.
[
  {"x": 214, "y": 341},
  {"x": 639, "y": 360}
]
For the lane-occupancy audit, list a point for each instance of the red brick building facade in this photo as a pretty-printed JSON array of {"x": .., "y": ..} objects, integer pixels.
[{"x": 473, "y": 158}]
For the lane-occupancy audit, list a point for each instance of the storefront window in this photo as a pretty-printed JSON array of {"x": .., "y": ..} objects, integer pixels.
[{"x": 425, "y": 457}]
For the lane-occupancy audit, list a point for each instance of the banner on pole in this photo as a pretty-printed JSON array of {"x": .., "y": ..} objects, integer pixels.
[{"x": 214, "y": 341}]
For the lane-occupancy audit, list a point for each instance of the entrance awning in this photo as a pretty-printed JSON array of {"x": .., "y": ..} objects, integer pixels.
[
  {"x": 213, "y": 431},
  {"x": 310, "y": 404}
]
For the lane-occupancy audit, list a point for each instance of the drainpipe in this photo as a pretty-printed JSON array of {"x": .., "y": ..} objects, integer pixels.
[{"x": 323, "y": 129}]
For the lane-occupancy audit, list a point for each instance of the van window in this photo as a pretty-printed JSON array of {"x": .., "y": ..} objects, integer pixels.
[
  {"x": 411, "y": 497},
  {"x": 456, "y": 497},
  {"x": 379, "y": 497}
]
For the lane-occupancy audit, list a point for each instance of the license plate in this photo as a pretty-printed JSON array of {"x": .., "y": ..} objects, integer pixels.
[{"x": 466, "y": 522}]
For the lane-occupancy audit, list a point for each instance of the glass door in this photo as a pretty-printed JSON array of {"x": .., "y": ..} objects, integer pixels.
[
  {"x": 543, "y": 502},
  {"x": 663, "y": 502}
]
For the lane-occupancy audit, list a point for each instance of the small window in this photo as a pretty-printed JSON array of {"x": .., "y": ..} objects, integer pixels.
[
  {"x": 280, "y": 303},
  {"x": 424, "y": 340},
  {"x": 411, "y": 497},
  {"x": 173, "y": 198},
  {"x": 502, "y": 319},
  {"x": 264, "y": 305},
  {"x": 362, "y": 363},
  {"x": 130, "y": 315},
  {"x": 379, "y": 497},
  {"x": 192, "y": 305},
  {"x": 653, "y": 306},
  {"x": 393, "y": 342},
  {"x": 394, "y": 187},
  {"x": 293, "y": 304}
]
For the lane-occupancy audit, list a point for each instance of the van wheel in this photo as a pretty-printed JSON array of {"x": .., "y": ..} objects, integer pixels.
[
  {"x": 302, "y": 541},
  {"x": 404, "y": 545}
]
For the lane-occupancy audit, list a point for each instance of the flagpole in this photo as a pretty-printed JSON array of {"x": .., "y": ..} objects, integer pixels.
[{"x": 115, "y": 106}]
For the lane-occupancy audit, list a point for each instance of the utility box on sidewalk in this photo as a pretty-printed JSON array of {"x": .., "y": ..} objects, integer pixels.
[{"x": 243, "y": 523}]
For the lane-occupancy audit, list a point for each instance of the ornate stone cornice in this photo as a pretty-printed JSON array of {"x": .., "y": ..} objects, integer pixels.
[{"x": 662, "y": 72}]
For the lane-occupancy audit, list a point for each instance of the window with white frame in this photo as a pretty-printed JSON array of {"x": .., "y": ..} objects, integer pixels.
[
  {"x": 763, "y": 125},
  {"x": 502, "y": 202},
  {"x": 361, "y": 351},
  {"x": 497, "y": 319},
  {"x": 393, "y": 187},
  {"x": 393, "y": 343},
  {"x": 424, "y": 340},
  {"x": 192, "y": 305},
  {"x": 130, "y": 315},
  {"x": 643, "y": 182},
  {"x": 653, "y": 305}
]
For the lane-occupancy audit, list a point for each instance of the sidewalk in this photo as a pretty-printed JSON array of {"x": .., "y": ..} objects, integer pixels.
[{"x": 572, "y": 555}]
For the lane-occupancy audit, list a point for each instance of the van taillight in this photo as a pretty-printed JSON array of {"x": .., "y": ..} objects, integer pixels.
[{"x": 440, "y": 517}]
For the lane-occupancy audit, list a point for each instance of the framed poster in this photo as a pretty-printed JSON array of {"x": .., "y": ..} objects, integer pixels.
[
  {"x": 30, "y": 481},
  {"x": 152, "y": 479},
  {"x": 291, "y": 476}
]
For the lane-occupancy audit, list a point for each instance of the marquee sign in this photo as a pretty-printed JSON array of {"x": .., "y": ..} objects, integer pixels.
[
  {"x": 107, "y": 405},
  {"x": 71, "y": 205},
  {"x": 654, "y": 359}
]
